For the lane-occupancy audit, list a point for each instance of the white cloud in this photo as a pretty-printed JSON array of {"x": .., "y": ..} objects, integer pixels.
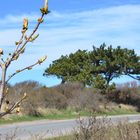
[
  {"x": 11, "y": 19},
  {"x": 63, "y": 33}
]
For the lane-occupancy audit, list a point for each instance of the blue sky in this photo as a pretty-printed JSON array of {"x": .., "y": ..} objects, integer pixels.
[{"x": 72, "y": 25}]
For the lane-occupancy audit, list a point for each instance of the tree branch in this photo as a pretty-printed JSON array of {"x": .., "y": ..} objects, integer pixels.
[
  {"x": 18, "y": 50},
  {"x": 40, "y": 61},
  {"x": 19, "y": 71},
  {"x": 136, "y": 78},
  {"x": 20, "y": 42},
  {"x": 0, "y": 64},
  {"x": 12, "y": 107}
]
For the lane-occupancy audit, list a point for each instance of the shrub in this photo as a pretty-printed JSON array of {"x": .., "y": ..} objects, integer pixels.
[
  {"x": 128, "y": 93},
  {"x": 87, "y": 99}
]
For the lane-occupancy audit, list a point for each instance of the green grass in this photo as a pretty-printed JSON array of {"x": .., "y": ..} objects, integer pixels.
[
  {"x": 15, "y": 119},
  {"x": 119, "y": 111},
  {"x": 69, "y": 137},
  {"x": 64, "y": 114},
  {"x": 67, "y": 114}
]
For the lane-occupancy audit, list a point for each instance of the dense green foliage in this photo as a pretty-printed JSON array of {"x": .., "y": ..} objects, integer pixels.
[{"x": 97, "y": 67}]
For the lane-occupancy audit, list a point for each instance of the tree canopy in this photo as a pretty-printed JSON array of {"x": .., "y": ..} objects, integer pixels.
[{"x": 100, "y": 64}]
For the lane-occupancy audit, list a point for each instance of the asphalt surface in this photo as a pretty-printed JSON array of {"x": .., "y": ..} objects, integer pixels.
[{"x": 48, "y": 128}]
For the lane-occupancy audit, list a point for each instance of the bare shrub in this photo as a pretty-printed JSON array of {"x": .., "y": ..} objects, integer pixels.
[
  {"x": 35, "y": 97},
  {"x": 102, "y": 129},
  {"x": 73, "y": 96},
  {"x": 127, "y": 131},
  {"x": 9, "y": 136},
  {"x": 31, "y": 104},
  {"x": 55, "y": 99},
  {"x": 86, "y": 99},
  {"x": 37, "y": 136},
  {"x": 38, "y": 97},
  {"x": 128, "y": 93},
  {"x": 22, "y": 87},
  {"x": 67, "y": 88},
  {"x": 25, "y": 86},
  {"x": 91, "y": 129}
]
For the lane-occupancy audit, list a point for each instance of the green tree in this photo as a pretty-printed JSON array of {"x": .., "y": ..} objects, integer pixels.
[
  {"x": 97, "y": 67},
  {"x": 113, "y": 62},
  {"x": 73, "y": 67}
]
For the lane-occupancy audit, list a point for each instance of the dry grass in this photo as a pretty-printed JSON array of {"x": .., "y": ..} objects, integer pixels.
[{"x": 94, "y": 129}]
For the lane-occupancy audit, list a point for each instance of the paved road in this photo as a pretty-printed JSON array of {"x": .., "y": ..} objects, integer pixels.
[{"x": 49, "y": 128}]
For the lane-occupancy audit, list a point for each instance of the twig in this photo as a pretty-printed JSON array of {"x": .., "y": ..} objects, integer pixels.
[
  {"x": 12, "y": 107},
  {"x": 17, "y": 52},
  {"x": 19, "y": 71}
]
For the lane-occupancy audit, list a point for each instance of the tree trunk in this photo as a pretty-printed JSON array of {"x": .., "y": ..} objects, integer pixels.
[{"x": 2, "y": 85}]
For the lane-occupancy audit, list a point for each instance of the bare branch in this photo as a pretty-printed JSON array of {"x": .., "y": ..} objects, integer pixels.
[
  {"x": 19, "y": 71},
  {"x": 20, "y": 42},
  {"x": 136, "y": 78},
  {"x": 27, "y": 68},
  {"x": 2, "y": 60},
  {"x": 0, "y": 64}
]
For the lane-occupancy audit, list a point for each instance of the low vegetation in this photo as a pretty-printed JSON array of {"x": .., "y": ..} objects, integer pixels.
[
  {"x": 92, "y": 128},
  {"x": 122, "y": 131},
  {"x": 71, "y": 100}
]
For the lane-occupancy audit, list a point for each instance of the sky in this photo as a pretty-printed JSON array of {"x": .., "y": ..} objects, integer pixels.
[{"x": 71, "y": 25}]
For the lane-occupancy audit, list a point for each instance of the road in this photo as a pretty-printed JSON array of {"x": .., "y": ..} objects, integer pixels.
[{"x": 49, "y": 128}]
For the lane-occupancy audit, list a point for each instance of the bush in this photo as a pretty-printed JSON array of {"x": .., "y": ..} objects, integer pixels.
[
  {"x": 72, "y": 95},
  {"x": 68, "y": 88},
  {"x": 102, "y": 129},
  {"x": 55, "y": 99},
  {"x": 87, "y": 99},
  {"x": 128, "y": 93}
]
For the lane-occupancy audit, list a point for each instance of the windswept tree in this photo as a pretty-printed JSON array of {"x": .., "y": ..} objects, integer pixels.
[
  {"x": 114, "y": 62},
  {"x": 19, "y": 50},
  {"x": 100, "y": 65},
  {"x": 73, "y": 67}
]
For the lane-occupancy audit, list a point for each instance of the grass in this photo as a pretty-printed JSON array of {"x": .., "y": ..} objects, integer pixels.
[
  {"x": 69, "y": 137},
  {"x": 15, "y": 119},
  {"x": 120, "y": 111},
  {"x": 64, "y": 114},
  {"x": 68, "y": 114}
]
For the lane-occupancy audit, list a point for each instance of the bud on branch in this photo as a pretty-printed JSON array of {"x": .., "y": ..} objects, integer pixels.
[
  {"x": 25, "y": 25},
  {"x": 44, "y": 10},
  {"x": 20, "y": 48},
  {"x": 41, "y": 60}
]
